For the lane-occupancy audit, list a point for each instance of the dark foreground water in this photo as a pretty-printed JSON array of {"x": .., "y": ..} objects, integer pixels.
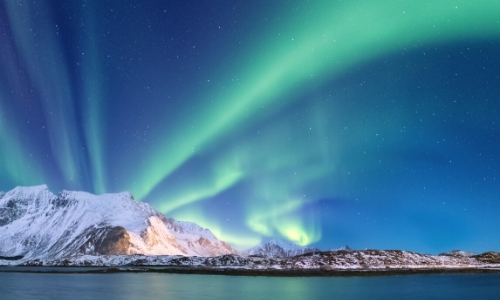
[{"x": 22, "y": 286}]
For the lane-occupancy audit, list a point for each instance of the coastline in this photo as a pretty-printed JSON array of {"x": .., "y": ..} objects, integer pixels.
[{"x": 246, "y": 272}]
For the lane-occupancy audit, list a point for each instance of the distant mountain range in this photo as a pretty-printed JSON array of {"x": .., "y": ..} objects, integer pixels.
[
  {"x": 279, "y": 248},
  {"x": 324, "y": 262},
  {"x": 38, "y": 227}
]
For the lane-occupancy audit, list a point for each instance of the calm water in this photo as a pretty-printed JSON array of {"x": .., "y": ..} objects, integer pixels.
[{"x": 21, "y": 286}]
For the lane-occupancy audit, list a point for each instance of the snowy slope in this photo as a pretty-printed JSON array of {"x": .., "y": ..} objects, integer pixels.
[
  {"x": 200, "y": 241},
  {"x": 36, "y": 223},
  {"x": 279, "y": 248}
]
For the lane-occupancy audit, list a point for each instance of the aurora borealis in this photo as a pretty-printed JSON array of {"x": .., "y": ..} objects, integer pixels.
[{"x": 368, "y": 123}]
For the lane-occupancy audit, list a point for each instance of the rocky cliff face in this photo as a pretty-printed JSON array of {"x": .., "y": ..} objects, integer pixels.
[
  {"x": 489, "y": 257},
  {"x": 35, "y": 223},
  {"x": 106, "y": 241}
]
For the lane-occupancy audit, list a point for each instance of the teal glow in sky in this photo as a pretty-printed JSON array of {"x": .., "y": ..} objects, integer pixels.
[{"x": 366, "y": 123}]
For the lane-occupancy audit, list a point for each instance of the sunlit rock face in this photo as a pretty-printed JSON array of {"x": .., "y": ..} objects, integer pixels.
[
  {"x": 106, "y": 241},
  {"x": 35, "y": 223}
]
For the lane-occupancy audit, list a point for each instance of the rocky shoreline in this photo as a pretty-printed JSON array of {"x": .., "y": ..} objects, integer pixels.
[
  {"x": 251, "y": 272},
  {"x": 327, "y": 263}
]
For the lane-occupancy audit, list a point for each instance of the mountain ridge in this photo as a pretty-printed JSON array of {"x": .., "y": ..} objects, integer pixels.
[
  {"x": 36, "y": 224},
  {"x": 325, "y": 261}
]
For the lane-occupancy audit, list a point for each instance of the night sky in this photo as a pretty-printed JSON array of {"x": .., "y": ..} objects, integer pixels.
[{"x": 369, "y": 123}]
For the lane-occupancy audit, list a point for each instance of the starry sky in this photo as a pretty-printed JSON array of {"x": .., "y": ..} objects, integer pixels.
[{"x": 369, "y": 123}]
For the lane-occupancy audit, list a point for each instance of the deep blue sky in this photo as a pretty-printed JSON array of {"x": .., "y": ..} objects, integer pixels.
[{"x": 327, "y": 123}]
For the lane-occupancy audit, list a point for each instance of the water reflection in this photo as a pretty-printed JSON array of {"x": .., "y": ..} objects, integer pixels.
[{"x": 21, "y": 286}]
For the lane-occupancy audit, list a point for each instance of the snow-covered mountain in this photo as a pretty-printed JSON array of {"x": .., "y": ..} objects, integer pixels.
[
  {"x": 343, "y": 248},
  {"x": 35, "y": 223},
  {"x": 279, "y": 248}
]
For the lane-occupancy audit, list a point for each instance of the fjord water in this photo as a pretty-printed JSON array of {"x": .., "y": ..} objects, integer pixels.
[{"x": 22, "y": 286}]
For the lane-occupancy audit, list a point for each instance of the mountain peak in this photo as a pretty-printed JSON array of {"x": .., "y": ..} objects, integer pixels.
[
  {"x": 30, "y": 195},
  {"x": 280, "y": 248},
  {"x": 343, "y": 248},
  {"x": 284, "y": 244},
  {"x": 28, "y": 190}
]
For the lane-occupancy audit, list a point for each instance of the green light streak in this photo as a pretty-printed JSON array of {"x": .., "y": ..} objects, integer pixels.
[
  {"x": 263, "y": 221},
  {"x": 93, "y": 136},
  {"x": 284, "y": 218},
  {"x": 277, "y": 165},
  {"x": 251, "y": 158},
  {"x": 196, "y": 193},
  {"x": 94, "y": 128},
  {"x": 333, "y": 37},
  {"x": 40, "y": 54},
  {"x": 16, "y": 165},
  {"x": 298, "y": 231}
]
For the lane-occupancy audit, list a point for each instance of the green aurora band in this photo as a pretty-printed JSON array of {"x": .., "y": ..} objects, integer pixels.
[
  {"x": 303, "y": 49},
  {"x": 272, "y": 174},
  {"x": 93, "y": 134},
  {"x": 50, "y": 73},
  {"x": 335, "y": 36},
  {"x": 50, "y": 76},
  {"x": 17, "y": 166},
  {"x": 94, "y": 129}
]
